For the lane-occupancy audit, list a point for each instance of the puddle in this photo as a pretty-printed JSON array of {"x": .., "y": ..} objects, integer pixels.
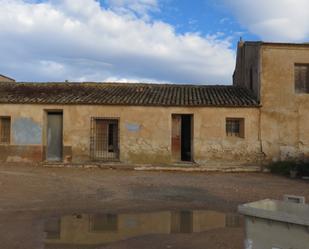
[{"x": 97, "y": 230}]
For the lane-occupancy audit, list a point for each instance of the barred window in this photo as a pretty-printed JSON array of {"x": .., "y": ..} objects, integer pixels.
[
  {"x": 5, "y": 130},
  {"x": 104, "y": 140},
  {"x": 235, "y": 127},
  {"x": 104, "y": 223},
  {"x": 301, "y": 78}
]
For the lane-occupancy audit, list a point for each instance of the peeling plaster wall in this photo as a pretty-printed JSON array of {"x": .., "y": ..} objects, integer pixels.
[
  {"x": 284, "y": 114},
  {"x": 145, "y": 132},
  {"x": 26, "y": 136},
  {"x": 26, "y": 131}
]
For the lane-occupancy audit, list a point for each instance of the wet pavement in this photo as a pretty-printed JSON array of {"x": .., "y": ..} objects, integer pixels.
[
  {"x": 103, "y": 230},
  {"x": 120, "y": 209}
]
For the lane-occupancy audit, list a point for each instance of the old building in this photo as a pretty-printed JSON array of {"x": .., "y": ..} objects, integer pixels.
[
  {"x": 135, "y": 123},
  {"x": 264, "y": 115},
  {"x": 4, "y": 78},
  {"x": 278, "y": 76}
]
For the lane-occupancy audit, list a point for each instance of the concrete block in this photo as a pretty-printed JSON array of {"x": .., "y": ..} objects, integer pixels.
[{"x": 276, "y": 224}]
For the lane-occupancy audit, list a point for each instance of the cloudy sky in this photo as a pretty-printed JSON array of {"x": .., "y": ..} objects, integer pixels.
[{"x": 179, "y": 41}]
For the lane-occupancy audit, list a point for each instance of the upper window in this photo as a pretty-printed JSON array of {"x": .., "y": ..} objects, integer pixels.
[
  {"x": 235, "y": 127},
  {"x": 5, "y": 130},
  {"x": 301, "y": 78}
]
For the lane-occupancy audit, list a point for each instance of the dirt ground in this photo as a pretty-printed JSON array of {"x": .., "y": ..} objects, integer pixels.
[{"x": 29, "y": 193}]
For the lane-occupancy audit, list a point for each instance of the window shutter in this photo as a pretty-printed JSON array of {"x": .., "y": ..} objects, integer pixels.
[
  {"x": 301, "y": 78},
  {"x": 5, "y": 130}
]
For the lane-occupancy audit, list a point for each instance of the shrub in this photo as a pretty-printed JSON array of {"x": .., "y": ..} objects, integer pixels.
[
  {"x": 303, "y": 169},
  {"x": 284, "y": 168}
]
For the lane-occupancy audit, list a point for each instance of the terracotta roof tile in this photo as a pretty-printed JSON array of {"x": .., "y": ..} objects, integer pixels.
[{"x": 126, "y": 94}]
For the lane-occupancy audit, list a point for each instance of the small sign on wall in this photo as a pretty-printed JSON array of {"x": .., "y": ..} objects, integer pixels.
[{"x": 133, "y": 127}]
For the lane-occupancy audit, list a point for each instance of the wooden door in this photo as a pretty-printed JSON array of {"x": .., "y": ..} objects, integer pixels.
[
  {"x": 101, "y": 138},
  {"x": 54, "y": 137},
  {"x": 176, "y": 138}
]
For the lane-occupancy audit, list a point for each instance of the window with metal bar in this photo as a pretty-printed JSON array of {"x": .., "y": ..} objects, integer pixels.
[
  {"x": 104, "y": 223},
  {"x": 301, "y": 77},
  {"x": 104, "y": 140},
  {"x": 5, "y": 130},
  {"x": 235, "y": 127}
]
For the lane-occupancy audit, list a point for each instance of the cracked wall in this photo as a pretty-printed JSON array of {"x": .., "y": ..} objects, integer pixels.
[
  {"x": 284, "y": 114},
  {"x": 145, "y": 132}
]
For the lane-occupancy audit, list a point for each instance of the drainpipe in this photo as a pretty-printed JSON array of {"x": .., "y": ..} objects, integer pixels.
[
  {"x": 262, "y": 155},
  {"x": 299, "y": 141},
  {"x": 260, "y": 68},
  {"x": 260, "y": 132}
]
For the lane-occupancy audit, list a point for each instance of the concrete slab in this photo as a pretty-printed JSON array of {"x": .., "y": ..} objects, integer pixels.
[
  {"x": 187, "y": 167},
  {"x": 288, "y": 212},
  {"x": 276, "y": 224}
]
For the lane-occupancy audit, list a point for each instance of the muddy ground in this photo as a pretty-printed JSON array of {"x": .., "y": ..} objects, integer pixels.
[{"x": 29, "y": 193}]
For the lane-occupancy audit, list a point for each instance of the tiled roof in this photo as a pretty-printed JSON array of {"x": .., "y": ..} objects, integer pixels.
[
  {"x": 6, "y": 78},
  {"x": 126, "y": 94}
]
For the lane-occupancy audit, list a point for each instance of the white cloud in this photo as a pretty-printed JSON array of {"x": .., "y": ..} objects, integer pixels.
[
  {"x": 275, "y": 20},
  {"x": 81, "y": 40},
  {"x": 140, "y": 7},
  {"x": 51, "y": 67}
]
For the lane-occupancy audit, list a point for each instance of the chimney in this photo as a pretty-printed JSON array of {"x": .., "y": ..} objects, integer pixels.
[{"x": 240, "y": 42}]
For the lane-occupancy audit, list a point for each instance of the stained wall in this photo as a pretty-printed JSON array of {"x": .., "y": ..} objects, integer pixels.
[
  {"x": 148, "y": 143},
  {"x": 284, "y": 113}
]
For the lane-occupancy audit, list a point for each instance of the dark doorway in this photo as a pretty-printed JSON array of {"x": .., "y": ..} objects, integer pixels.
[
  {"x": 112, "y": 137},
  {"x": 186, "y": 138},
  {"x": 182, "y": 137},
  {"x": 54, "y": 136}
]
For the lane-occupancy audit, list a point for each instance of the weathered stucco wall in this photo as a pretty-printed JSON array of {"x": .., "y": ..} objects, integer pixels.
[
  {"x": 145, "y": 133},
  {"x": 284, "y": 114}
]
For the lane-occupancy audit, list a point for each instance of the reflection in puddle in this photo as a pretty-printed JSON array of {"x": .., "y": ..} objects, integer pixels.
[{"x": 91, "y": 230}]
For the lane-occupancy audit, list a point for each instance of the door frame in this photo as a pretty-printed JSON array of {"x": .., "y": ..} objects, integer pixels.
[
  {"x": 45, "y": 133},
  {"x": 192, "y": 137}
]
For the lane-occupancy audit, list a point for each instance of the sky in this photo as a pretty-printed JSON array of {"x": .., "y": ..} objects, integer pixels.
[{"x": 160, "y": 41}]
